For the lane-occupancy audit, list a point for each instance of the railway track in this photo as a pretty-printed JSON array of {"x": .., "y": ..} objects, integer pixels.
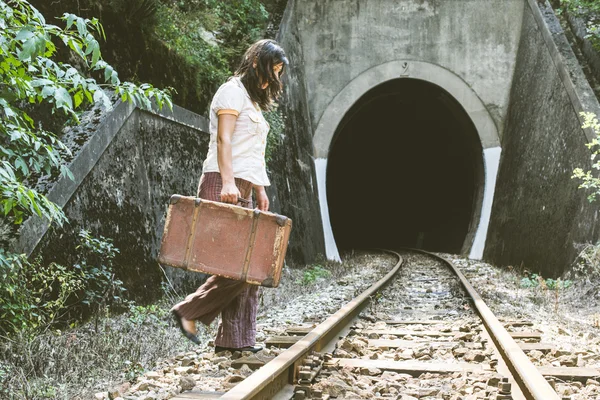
[{"x": 421, "y": 332}]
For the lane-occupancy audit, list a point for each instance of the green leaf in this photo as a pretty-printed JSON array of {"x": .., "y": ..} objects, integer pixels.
[
  {"x": 96, "y": 54},
  {"x": 78, "y": 98},
  {"x": 25, "y": 33},
  {"x": 48, "y": 91},
  {"x": 81, "y": 27},
  {"x": 63, "y": 98},
  {"x": 41, "y": 82},
  {"x": 22, "y": 165},
  {"x": 70, "y": 19},
  {"x": 27, "y": 50}
]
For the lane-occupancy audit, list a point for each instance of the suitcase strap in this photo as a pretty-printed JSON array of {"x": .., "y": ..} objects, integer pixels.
[
  {"x": 251, "y": 241},
  {"x": 190, "y": 241}
]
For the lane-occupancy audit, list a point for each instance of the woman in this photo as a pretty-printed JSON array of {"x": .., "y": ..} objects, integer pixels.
[{"x": 234, "y": 165}]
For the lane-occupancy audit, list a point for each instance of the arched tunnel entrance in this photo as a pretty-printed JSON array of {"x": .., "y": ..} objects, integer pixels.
[{"x": 405, "y": 168}]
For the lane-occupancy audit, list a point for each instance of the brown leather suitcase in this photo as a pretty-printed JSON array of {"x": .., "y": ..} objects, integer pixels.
[{"x": 225, "y": 240}]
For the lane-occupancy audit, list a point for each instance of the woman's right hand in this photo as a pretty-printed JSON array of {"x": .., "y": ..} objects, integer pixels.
[{"x": 230, "y": 193}]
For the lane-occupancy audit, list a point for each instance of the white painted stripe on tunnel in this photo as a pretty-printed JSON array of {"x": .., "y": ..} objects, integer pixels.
[
  {"x": 331, "y": 250},
  {"x": 491, "y": 159}
]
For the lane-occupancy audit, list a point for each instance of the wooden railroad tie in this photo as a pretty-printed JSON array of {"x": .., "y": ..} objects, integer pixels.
[
  {"x": 253, "y": 361},
  {"x": 411, "y": 344},
  {"x": 197, "y": 394},
  {"x": 416, "y": 368},
  {"x": 400, "y": 332},
  {"x": 283, "y": 342}
]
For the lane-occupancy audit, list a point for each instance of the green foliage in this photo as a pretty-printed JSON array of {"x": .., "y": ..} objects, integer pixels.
[
  {"x": 153, "y": 313},
  {"x": 581, "y": 5},
  {"x": 589, "y": 10},
  {"x": 132, "y": 370},
  {"x": 314, "y": 273},
  {"x": 34, "y": 296},
  {"x": 535, "y": 280},
  {"x": 29, "y": 75},
  {"x": 211, "y": 35},
  {"x": 589, "y": 181},
  {"x": 96, "y": 268},
  {"x": 588, "y": 261},
  {"x": 276, "y": 132}
]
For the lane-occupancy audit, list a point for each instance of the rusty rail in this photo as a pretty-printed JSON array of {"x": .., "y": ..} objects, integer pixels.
[
  {"x": 281, "y": 371},
  {"x": 279, "y": 375},
  {"x": 531, "y": 382}
]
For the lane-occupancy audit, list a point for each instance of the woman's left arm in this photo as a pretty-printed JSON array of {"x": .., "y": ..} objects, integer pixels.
[{"x": 262, "y": 200}]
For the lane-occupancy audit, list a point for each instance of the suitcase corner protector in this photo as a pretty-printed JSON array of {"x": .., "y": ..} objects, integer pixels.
[
  {"x": 175, "y": 198},
  {"x": 269, "y": 282}
]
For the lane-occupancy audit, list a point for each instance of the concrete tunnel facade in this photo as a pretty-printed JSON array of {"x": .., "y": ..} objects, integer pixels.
[
  {"x": 433, "y": 149},
  {"x": 501, "y": 91}
]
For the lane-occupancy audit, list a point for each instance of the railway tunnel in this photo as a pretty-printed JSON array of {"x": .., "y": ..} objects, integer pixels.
[{"x": 405, "y": 169}]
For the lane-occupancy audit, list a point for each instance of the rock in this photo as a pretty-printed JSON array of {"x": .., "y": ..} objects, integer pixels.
[
  {"x": 345, "y": 345},
  {"x": 142, "y": 386},
  {"x": 564, "y": 331},
  {"x": 187, "y": 383},
  {"x": 422, "y": 351},
  {"x": 460, "y": 351},
  {"x": 370, "y": 371},
  {"x": 182, "y": 370},
  {"x": 245, "y": 371},
  {"x": 341, "y": 353},
  {"x": 494, "y": 380},
  {"x": 557, "y": 353},
  {"x": 337, "y": 387},
  {"x": 113, "y": 393},
  {"x": 224, "y": 365},
  {"x": 218, "y": 360},
  {"x": 467, "y": 337},
  {"x": 403, "y": 356},
  {"x": 186, "y": 361},
  {"x": 124, "y": 387},
  {"x": 373, "y": 335},
  {"x": 577, "y": 384},
  {"x": 101, "y": 396},
  {"x": 592, "y": 382},
  {"x": 536, "y": 355},
  {"x": 234, "y": 378},
  {"x": 429, "y": 392},
  {"x": 474, "y": 355},
  {"x": 153, "y": 375},
  {"x": 568, "y": 360}
]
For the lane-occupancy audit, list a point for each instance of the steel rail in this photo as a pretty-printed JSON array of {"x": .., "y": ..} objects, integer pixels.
[
  {"x": 531, "y": 382},
  {"x": 267, "y": 381}
]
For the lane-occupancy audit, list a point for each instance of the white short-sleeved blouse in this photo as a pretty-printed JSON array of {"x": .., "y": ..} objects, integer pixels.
[{"x": 249, "y": 139}]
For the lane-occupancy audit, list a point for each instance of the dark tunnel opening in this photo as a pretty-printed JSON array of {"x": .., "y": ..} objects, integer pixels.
[{"x": 405, "y": 168}]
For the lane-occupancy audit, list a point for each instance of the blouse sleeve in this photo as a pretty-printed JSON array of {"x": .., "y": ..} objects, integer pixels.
[{"x": 229, "y": 100}]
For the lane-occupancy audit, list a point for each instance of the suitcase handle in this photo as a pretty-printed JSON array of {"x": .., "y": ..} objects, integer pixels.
[{"x": 240, "y": 200}]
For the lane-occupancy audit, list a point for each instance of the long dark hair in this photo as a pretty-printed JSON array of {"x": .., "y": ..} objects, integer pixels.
[{"x": 256, "y": 69}]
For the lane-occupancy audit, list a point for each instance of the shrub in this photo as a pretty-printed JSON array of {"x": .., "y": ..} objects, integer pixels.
[
  {"x": 35, "y": 296},
  {"x": 535, "y": 280},
  {"x": 314, "y": 273},
  {"x": 29, "y": 75},
  {"x": 589, "y": 181}
]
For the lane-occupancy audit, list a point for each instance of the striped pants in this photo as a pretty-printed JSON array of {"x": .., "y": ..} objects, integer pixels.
[{"x": 236, "y": 301}]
